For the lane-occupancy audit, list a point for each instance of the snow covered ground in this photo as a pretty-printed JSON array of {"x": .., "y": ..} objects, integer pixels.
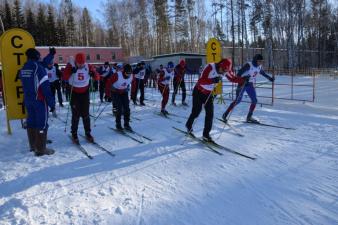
[{"x": 176, "y": 181}]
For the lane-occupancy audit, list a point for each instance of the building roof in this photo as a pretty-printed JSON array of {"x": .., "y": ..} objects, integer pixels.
[
  {"x": 77, "y": 47},
  {"x": 178, "y": 54}
]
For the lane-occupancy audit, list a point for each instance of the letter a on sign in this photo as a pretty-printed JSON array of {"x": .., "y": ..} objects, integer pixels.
[
  {"x": 13, "y": 45},
  {"x": 214, "y": 55}
]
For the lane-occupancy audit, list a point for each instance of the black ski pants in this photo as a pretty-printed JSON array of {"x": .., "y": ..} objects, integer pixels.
[
  {"x": 121, "y": 101},
  {"x": 80, "y": 108},
  {"x": 179, "y": 84},
  {"x": 56, "y": 87},
  {"x": 198, "y": 99},
  {"x": 139, "y": 85}
]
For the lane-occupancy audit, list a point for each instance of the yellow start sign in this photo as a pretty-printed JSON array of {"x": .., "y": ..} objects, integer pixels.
[
  {"x": 214, "y": 50},
  {"x": 13, "y": 45},
  {"x": 214, "y": 54}
]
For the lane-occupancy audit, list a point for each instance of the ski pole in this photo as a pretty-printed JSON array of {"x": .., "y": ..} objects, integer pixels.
[
  {"x": 69, "y": 102},
  {"x": 95, "y": 118},
  {"x": 236, "y": 102},
  {"x": 195, "y": 119}
]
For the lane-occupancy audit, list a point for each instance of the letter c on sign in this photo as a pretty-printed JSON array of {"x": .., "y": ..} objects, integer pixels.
[
  {"x": 213, "y": 46},
  {"x": 13, "y": 41}
]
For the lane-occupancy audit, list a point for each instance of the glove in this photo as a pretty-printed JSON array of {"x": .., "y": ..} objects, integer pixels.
[
  {"x": 246, "y": 79},
  {"x": 52, "y": 51},
  {"x": 215, "y": 80},
  {"x": 272, "y": 79},
  {"x": 74, "y": 69}
]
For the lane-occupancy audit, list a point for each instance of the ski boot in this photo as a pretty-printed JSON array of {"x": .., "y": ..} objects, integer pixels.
[
  {"x": 189, "y": 130},
  {"x": 224, "y": 117},
  {"x": 173, "y": 103},
  {"x": 31, "y": 133},
  {"x": 250, "y": 119},
  {"x": 207, "y": 139},
  {"x": 185, "y": 104},
  {"x": 142, "y": 104},
  {"x": 164, "y": 112},
  {"x": 119, "y": 127},
  {"x": 61, "y": 105},
  {"x": 89, "y": 138},
  {"x": 128, "y": 127},
  {"x": 75, "y": 138},
  {"x": 40, "y": 143}
]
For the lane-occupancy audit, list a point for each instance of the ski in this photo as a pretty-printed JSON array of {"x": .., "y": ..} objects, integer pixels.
[
  {"x": 139, "y": 134},
  {"x": 122, "y": 132},
  {"x": 192, "y": 136},
  {"x": 230, "y": 150},
  {"x": 97, "y": 145},
  {"x": 236, "y": 132},
  {"x": 167, "y": 117},
  {"x": 179, "y": 116},
  {"x": 81, "y": 148},
  {"x": 214, "y": 144},
  {"x": 265, "y": 124}
]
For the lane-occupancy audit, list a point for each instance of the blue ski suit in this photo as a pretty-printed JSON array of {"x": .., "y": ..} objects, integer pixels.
[{"x": 37, "y": 93}]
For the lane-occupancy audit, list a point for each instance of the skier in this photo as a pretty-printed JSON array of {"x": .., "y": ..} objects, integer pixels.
[
  {"x": 248, "y": 72},
  {"x": 54, "y": 76},
  {"x": 79, "y": 74},
  {"x": 179, "y": 82},
  {"x": 163, "y": 85},
  {"x": 118, "y": 86},
  {"x": 105, "y": 71},
  {"x": 202, "y": 95},
  {"x": 37, "y": 98},
  {"x": 138, "y": 83}
]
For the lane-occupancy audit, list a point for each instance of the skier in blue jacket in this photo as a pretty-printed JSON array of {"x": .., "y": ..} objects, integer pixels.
[
  {"x": 37, "y": 99},
  {"x": 248, "y": 72}
]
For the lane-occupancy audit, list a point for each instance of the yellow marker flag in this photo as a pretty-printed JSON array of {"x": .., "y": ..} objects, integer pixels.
[
  {"x": 214, "y": 54},
  {"x": 13, "y": 45}
]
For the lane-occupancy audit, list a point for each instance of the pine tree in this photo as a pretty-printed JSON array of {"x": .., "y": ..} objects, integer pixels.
[
  {"x": 70, "y": 23},
  {"x": 30, "y": 24},
  {"x": 18, "y": 15},
  {"x": 143, "y": 42},
  {"x": 41, "y": 38},
  {"x": 86, "y": 28},
  {"x": 61, "y": 32},
  {"x": 51, "y": 29},
  {"x": 8, "y": 19},
  {"x": 180, "y": 26},
  {"x": 162, "y": 26}
]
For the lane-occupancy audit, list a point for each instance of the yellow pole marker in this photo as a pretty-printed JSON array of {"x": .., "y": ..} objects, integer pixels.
[{"x": 13, "y": 45}]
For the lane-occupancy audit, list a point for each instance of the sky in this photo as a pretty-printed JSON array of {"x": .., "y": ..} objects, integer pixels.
[{"x": 94, "y": 6}]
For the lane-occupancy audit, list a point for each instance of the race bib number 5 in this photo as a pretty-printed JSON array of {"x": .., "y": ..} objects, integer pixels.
[{"x": 80, "y": 76}]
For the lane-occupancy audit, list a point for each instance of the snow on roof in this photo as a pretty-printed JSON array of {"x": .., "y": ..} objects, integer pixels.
[
  {"x": 77, "y": 47},
  {"x": 179, "y": 54}
]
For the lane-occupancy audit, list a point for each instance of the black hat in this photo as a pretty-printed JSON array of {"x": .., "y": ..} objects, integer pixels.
[
  {"x": 106, "y": 63},
  {"x": 127, "y": 69},
  {"x": 33, "y": 54},
  {"x": 257, "y": 57}
]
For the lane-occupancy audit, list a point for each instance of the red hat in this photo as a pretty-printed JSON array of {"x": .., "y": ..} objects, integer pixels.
[
  {"x": 80, "y": 58},
  {"x": 225, "y": 64},
  {"x": 182, "y": 62}
]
